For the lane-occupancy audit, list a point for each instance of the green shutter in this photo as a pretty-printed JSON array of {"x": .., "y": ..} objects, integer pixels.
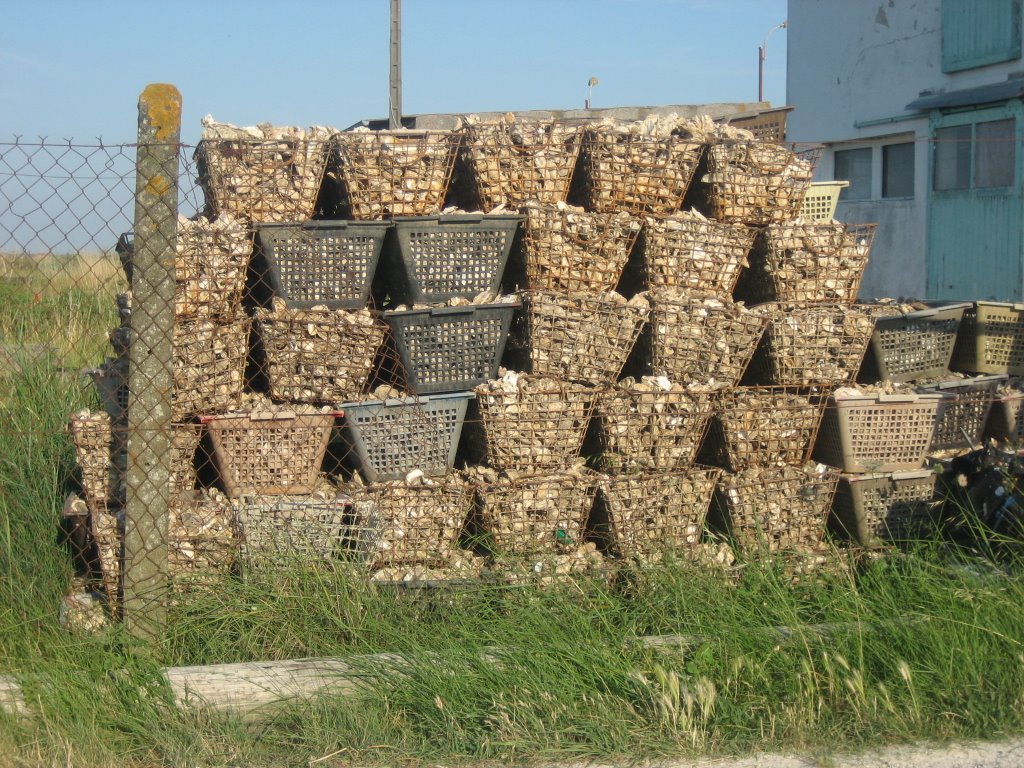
[{"x": 976, "y": 33}]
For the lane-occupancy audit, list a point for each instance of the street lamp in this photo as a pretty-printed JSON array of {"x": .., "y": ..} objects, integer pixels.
[
  {"x": 590, "y": 91},
  {"x": 762, "y": 54}
]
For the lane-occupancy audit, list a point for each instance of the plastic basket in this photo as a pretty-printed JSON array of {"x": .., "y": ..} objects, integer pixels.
[
  {"x": 536, "y": 513},
  {"x": 317, "y": 356},
  {"x": 767, "y": 126},
  {"x": 631, "y": 171},
  {"x": 810, "y": 344},
  {"x": 450, "y": 349},
  {"x": 436, "y": 258},
  {"x": 799, "y": 262},
  {"x": 269, "y": 452},
  {"x": 755, "y": 182},
  {"x": 886, "y": 507},
  {"x": 821, "y": 200},
  {"x": 581, "y": 337},
  {"x": 509, "y": 163},
  {"x": 575, "y": 251},
  {"x": 914, "y": 345},
  {"x": 304, "y": 528},
  {"x": 262, "y": 180},
  {"x": 1006, "y": 419},
  {"x": 387, "y": 439},
  {"x": 762, "y": 426},
  {"x": 776, "y": 508},
  {"x": 695, "y": 340},
  {"x": 650, "y": 515},
  {"x": 991, "y": 339},
  {"x": 649, "y": 430},
  {"x": 394, "y": 173},
  {"x": 536, "y": 426},
  {"x": 695, "y": 254},
  {"x": 317, "y": 263},
  {"x": 398, "y": 525},
  {"x": 962, "y": 415},
  {"x": 877, "y": 433}
]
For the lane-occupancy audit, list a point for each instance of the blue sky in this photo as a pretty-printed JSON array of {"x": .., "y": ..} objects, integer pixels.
[{"x": 74, "y": 68}]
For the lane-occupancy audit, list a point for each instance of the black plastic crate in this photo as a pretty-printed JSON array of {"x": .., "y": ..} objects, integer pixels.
[
  {"x": 387, "y": 439},
  {"x": 450, "y": 349},
  {"x": 317, "y": 263},
  {"x": 431, "y": 259}
]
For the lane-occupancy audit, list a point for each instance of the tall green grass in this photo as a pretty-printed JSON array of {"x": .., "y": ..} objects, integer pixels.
[{"x": 925, "y": 644}]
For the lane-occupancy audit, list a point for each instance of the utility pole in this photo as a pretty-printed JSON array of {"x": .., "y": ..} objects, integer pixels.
[{"x": 395, "y": 77}]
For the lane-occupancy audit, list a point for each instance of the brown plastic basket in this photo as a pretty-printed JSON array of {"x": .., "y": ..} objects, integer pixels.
[
  {"x": 884, "y": 507},
  {"x": 877, "y": 433},
  {"x": 697, "y": 340},
  {"x": 964, "y": 411},
  {"x": 648, "y": 429},
  {"x": 626, "y": 170},
  {"x": 269, "y": 452},
  {"x": 651, "y": 515},
  {"x": 810, "y": 344},
  {"x": 763, "y": 426},
  {"x": 571, "y": 250},
  {"x": 913, "y": 345},
  {"x": 537, "y": 512},
  {"x": 991, "y": 339},
  {"x": 581, "y": 337},
  {"x": 807, "y": 262},
  {"x": 1006, "y": 419},
  {"x": 689, "y": 252},
  {"x": 394, "y": 173},
  {"x": 777, "y": 508}
]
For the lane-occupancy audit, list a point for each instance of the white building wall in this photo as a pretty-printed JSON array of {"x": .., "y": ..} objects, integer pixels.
[{"x": 852, "y": 62}]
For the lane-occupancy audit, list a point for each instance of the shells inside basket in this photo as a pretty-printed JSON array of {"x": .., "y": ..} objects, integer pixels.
[
  {"x": 690, "y": 252},
  {"x": 318, "y": 355},
  {"x": 651, "y": 515},
  {"x": 573, "y": 250},
  {"x": 511, "y": 161},
  {"x": 776, "y": 508},
  {"x": 650, "y": 425},
  {"x": 703, "y": 340},
  {"x": 533, "y": 422},
  {"x": 580, "y": 337}
]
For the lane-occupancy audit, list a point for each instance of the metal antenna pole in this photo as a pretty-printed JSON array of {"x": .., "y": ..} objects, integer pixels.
[{"x": 395, "y": 79}]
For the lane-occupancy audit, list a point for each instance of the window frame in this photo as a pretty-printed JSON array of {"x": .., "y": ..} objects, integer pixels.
[{"x": 971, "y": 119}]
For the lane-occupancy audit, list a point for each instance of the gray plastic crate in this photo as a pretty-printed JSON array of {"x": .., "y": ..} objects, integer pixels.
[
  {"x": 431, "y": 259},
  {"x": 963, "y": 413},
  {"x": 450, "y": 349},
  {"x": 887, "y": 507},
  {"x": 915, "y": 345},
  {"x": 387, "y": 439},
  {"x": 318, "y": 263}
]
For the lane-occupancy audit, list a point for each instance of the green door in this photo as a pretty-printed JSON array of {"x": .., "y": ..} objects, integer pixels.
[{"x": 975, "y": 205}]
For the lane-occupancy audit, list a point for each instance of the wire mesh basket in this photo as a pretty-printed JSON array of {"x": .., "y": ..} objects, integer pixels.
[
  {"x": 802, "y": 262},
  {"x": 884, "y": 507},
  {"x": 510, "y": 162},
  {"x": 775, "y": 508},
  {"x": 317, "y": 263},
  {"x": 654, "y": 514},
  {"x": 689, "y": 252},
  {"x": 810, "y": 344},
  {"x": 763, "y": 426},
  {"x": 394, "y": 173},
  {"x": 877, "y": 433},
  {"x": 572, "y": 250},
  {"x": 647, "y": 427},
  {"x": 701, "y": 340},
  {"x": 626, "y": 169},
  {"x": 432, "y": 259},
  {"x": 582, "y": 337},
  {"x": 535, "y": 513},
  {"x": 317, "y": 355}
]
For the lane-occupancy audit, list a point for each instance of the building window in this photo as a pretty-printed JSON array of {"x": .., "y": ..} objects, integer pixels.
[
  {"x": 976, "y": 33},
  {"x": 854, "y": 166},
  {"x": 976, "y": 155},
  {"x": 898, "y": 170}
]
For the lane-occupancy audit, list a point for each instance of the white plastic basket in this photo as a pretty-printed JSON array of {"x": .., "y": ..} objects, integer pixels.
[{"x": 821, "y": 200}]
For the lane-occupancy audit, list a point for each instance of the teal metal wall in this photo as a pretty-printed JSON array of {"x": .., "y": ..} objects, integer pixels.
[{"x": 976, "y": 236}]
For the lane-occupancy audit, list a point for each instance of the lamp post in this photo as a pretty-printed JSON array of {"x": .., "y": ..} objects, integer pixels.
[
  {"x": 590, "y": 91},
  {"x": 762, "y": 54}
]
